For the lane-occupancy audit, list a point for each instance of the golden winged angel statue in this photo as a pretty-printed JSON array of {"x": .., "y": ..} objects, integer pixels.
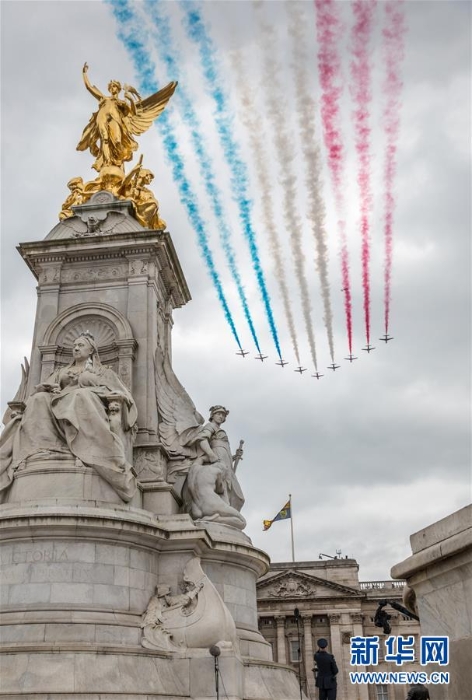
[{"x": 109, "y": 133}]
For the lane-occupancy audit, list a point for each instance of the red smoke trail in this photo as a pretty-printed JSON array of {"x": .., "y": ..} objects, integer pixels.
[
  {"x": 393, "y": 35},
  {"x": 329, "y": 31},
  {"x": 362, "y": 95}
]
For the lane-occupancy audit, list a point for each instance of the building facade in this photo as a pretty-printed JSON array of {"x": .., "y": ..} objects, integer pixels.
[{"x": 302, "y": 601}]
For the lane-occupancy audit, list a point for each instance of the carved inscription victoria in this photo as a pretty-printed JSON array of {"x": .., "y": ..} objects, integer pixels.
[{"x": 35, "y": 554}]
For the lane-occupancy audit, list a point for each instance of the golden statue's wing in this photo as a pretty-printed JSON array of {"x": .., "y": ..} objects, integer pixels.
[{"x": 149, "y": 109}]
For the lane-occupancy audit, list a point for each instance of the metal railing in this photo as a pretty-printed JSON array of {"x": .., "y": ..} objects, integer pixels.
[{"x": 381, "y": 585}]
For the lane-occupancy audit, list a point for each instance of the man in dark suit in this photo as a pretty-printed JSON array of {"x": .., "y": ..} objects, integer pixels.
[
  {"x": 418, "y": 692},
  {"x": 325, "y": 672}
]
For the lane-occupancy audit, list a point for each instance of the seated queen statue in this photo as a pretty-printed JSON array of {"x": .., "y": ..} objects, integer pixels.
[{"x": 68, "y": 414}]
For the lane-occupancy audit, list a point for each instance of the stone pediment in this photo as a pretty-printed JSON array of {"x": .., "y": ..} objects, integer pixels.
[{"x": 293, "y": 584}]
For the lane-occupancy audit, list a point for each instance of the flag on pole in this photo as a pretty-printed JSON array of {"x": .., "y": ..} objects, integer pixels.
[{"x": 284, "y": 514}]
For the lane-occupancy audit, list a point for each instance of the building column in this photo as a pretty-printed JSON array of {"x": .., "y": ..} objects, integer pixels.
[
  {"x": 358, "y": 631},
  {"x": 309, "y": 661},
  {"x": 337, "y": 651},
  {"x": 281, "y": 653}
]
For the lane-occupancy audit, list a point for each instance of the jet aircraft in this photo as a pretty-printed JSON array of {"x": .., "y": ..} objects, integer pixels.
[
  {"x": 386, "y": 338},
  {"x": 243, "y": 353},
  {"x": 351, "y": 358},
  {"x": 261, "y": 357},
  {"x": 317, "y": 375},
  {"x": 300, "y": 369},
  {"x": 334, "y": 367},
  {"x": 368, "y": 348},
  {"x": 282, "y": 363}
]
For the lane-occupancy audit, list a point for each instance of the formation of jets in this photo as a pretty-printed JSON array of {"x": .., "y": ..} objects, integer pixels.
[{"x": 350, "y": 358}]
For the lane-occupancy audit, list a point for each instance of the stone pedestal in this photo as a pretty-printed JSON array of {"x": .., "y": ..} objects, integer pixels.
[
  {"x": 98, "y": 602},
  {"x": 77, "y": 579},
  {"x": 440, "y": 573}
]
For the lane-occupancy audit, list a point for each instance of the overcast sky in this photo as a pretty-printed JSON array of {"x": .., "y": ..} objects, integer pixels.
[{"x": 370, "y": 453}]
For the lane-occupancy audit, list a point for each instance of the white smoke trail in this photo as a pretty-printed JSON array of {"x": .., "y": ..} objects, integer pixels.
[
  {"x": 276, "y": 101},
  {"x": 252, "y": 122},
  {"x": 311, "y": 151}
]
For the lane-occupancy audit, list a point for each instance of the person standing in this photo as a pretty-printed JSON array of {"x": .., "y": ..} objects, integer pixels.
[
  {"x": 326, "y": 671},
  {"x": 418, "y": 692}
]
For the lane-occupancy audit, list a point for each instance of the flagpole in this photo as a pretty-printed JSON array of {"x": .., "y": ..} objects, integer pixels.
[{"x": 291, "y": 526}]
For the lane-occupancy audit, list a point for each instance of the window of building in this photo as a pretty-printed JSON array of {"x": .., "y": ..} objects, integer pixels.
[
  {"x": 381, "y": 692},
  {"x": 294, "y": 651}
]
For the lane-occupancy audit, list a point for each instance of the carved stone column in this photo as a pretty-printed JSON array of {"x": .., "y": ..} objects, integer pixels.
[
  {"x": 281, "y": 653},
  {"x": 139, "y": 311},
  {"x": 309, "y": 661},
  {"x": 126, "y": 353},
  {"x": 48, "y": 360},
  {"x": 337, "y": 650},
  {"x": 357, "y": 631},
  {"x": 48, "y": 276}
]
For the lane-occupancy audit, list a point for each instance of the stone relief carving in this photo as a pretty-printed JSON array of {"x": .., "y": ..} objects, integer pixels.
[
  {"x": 138, "y": 267},
  {"x": 92, "y": 225},
  {"x": 291, "y": 588},
  {"x": 148, "y": 465},
  {"x": 175, "y": 622},
  {"x": 102, "y": 331},
  {"x": 66, "y": 417},
  {"x": 198, "y": 453},
  {"x": 49, "y": 275},
  {"x": 125, "y": 375},
  {"x": 346, "y": 637},
  {"x": 94, "y": 273},
  {"x": 356, "y": 617}
]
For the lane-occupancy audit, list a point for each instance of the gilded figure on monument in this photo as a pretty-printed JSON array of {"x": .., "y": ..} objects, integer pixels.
[
  {"x": 109, "y": 136},
  {"x": 135, "y": 187},
  {"x": 110, "y": 132},
  {"x": 77, "y": 196}
]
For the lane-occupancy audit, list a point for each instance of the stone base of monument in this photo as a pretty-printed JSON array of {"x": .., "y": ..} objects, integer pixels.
[
  {"x": 61, "y": 475},
  {"x": 82, "y": 618}
]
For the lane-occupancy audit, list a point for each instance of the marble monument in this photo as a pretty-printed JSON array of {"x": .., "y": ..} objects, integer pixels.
[{"x": 122, "y": 552}]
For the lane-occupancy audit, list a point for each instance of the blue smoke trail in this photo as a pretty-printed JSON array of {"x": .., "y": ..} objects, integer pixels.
[
  {"x": 133, "y": 36},
  {"x": 196, "y": 31},
  {"x": 162, "y": 37}
]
